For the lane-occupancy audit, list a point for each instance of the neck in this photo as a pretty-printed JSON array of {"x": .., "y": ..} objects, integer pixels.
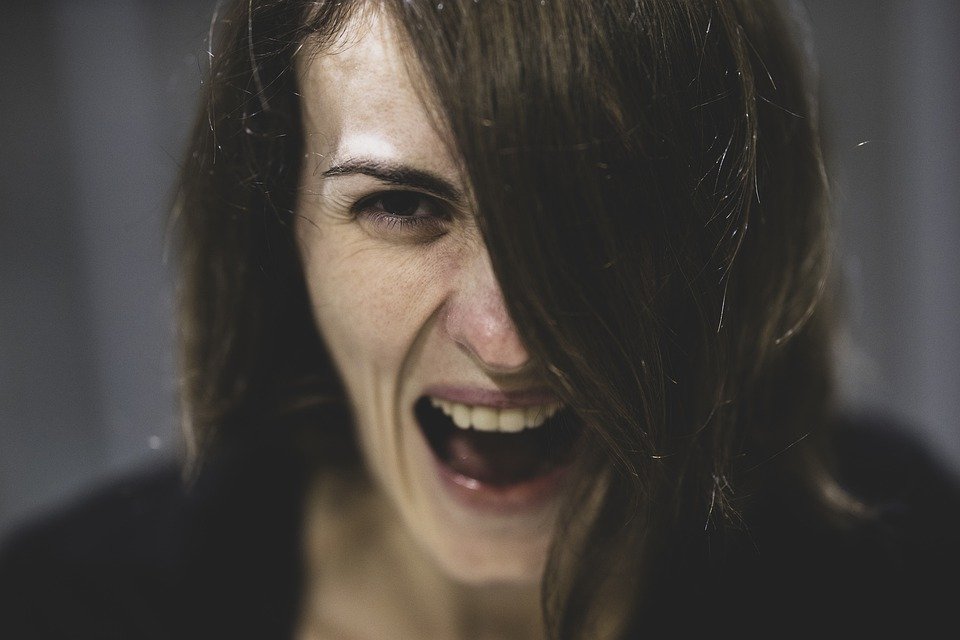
[{"x": 366, "y": 578}]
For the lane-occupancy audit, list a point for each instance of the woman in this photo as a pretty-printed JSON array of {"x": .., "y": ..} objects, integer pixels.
[{"x": 500, "y": 320}]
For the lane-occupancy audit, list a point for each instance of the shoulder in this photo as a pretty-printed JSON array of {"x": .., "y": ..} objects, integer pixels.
[
  {"x": 792, "y": 564},
  {"x": 116, "y": 550},
  {"x": 889, "y": 564},
  {"x": 884, "y": 462},
  {"x": 913, "y": 497},
  {"x": 149, "y": 557}
]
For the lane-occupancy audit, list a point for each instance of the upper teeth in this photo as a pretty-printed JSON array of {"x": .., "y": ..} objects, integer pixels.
[{"x": 492, "y": 419}]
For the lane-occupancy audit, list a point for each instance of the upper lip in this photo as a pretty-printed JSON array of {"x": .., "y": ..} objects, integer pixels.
[{"x": 496, "y": 398}]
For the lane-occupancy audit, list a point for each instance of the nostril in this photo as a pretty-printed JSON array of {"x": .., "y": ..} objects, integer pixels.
[
  {"x": 481, "y": 326},
  {"x": 498, "y": 358}
]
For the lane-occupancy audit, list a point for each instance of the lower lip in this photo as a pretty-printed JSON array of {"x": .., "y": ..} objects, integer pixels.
[{"x": 521, "y": 497}]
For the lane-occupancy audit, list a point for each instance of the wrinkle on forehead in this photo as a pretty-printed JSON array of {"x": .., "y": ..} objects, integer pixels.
[{"x": 363, "y": 92}]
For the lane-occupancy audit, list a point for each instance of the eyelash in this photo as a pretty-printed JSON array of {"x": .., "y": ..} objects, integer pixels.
[{"x": 432, "y": 224}]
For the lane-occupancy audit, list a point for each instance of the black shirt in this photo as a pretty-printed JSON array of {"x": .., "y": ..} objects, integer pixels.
[{"x": 145, "y": 558}]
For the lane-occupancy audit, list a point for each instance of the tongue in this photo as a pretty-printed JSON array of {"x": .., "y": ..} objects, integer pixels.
[{"x": 497, "y": 459}]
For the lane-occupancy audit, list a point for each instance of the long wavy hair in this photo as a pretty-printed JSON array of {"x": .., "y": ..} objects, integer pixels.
[{"x": 650, "y": 188}]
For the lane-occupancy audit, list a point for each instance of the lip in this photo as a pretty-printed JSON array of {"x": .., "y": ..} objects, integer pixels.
[
  {"x": 515, "y": 499},
  {"x": 491, "y": 397}
]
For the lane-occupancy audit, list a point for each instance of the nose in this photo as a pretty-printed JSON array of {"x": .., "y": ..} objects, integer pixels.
[{"x": 477, "y": 320}]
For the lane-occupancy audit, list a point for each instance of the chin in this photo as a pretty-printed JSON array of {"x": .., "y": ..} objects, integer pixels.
[{"x": 483, "y": 562}]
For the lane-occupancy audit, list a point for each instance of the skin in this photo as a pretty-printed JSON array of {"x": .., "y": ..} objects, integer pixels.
[{"x": 402, "y": 307}]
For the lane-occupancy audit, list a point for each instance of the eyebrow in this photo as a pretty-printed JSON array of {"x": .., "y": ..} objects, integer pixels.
[{"x": 398, "y": 174}]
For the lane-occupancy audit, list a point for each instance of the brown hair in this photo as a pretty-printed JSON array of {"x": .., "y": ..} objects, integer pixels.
[{"x": 650, "y": 188}]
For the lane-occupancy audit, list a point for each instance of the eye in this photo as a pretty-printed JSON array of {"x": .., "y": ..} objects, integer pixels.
[
  {"x": 403, "y": 204},
  {"x": 408, "y": 214}
]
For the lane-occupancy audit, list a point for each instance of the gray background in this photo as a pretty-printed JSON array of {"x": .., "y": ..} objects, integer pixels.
[{"x": 95, "y": 103}]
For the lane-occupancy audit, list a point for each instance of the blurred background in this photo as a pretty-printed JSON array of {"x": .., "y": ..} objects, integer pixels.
[{"x": 96, "y": 101}]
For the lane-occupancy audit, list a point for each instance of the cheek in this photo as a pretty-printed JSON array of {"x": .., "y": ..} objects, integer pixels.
[{"x": 370, "y": 301}]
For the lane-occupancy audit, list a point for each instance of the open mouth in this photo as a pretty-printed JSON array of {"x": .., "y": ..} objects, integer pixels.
[{"x": 498, "y": 447}]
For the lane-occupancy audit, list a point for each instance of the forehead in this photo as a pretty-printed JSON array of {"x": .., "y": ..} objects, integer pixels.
[{"x": 362, "y": 97}]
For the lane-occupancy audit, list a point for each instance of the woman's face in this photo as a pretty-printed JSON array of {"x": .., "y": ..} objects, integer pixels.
[{"x": 405, "y": 298}]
